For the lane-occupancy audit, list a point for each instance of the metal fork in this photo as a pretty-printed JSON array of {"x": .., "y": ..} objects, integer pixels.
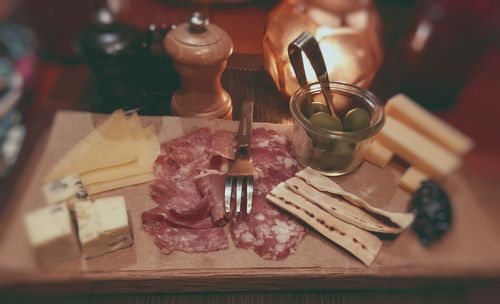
[{"x": 242, "y": 168}]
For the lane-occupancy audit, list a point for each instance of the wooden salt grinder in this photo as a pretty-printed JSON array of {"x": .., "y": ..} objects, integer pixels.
[{"x": 199, "y": 51}]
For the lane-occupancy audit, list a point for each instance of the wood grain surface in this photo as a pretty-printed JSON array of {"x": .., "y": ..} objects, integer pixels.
[{"x": 464, "y": 254}]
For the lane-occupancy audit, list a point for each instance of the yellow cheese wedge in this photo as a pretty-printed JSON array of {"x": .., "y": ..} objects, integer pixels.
[
  {"x": 412, "y": 179},
  {"x": 120, "y": 183},
  {"x": 413, "y": 115},
  {"x": 110, "y": 144},
  {"x": 154, "y": 143},
  {"x": 418, "y": 150},
  {"x": 378, "y": 154},
  {"x": 148, "y": 149}
]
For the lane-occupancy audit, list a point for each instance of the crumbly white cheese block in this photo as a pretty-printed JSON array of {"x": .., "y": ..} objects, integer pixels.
[
  {"x": 410, "y": 113},
  {"x": 103, "y": 225},
  {"x": 51, "y": 234},
  {"x": 412, "y": 179},
  {"x": 65, "y": 190},
  {"x": 378, "y": 154},
  {"x": 417, "y": 149}
]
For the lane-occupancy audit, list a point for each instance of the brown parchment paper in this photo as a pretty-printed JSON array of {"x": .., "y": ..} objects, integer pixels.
[{"x": 471, "y": 244}]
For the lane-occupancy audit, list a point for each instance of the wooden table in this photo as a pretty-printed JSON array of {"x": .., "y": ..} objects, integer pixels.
[
  {"x": 73, "y": 90},
  {"x": 72, "y": 94}
]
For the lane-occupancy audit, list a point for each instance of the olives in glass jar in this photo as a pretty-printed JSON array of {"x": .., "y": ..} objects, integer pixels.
[
  {"x": 338, "y": 158},
  {"x": 326, "y": 121},
  {"x": 334, "y": 146},
  {"x": 313, "y": 108},
  {"x": 356, "y": 119}
]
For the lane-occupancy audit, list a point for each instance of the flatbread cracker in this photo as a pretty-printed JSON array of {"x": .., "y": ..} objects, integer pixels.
[
  {"x": 362, "y": 244},
  {"x": 323, "y": 183},
  {"x": 340, "y": 208}
]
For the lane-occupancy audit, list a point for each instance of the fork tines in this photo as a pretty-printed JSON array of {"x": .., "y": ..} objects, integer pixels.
[{"x": 242, "y": 182}]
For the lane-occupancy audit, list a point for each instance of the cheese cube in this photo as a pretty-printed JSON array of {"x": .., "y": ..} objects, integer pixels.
[
  {"x": 103, "y": 225},
  {"x": 378, "y": 154},
  {"x": 67, "y": 189},
  {"x": 418, "y": 150},
  {"x": 413, "y": 115},
  {"x": 51, "y": 234},
  {"x": 412, "y": 179}
]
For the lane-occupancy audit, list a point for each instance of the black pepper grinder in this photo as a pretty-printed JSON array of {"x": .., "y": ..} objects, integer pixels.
[{"x": 121, "y": 58}]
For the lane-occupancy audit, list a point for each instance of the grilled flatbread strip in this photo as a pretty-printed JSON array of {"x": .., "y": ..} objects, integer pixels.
[
  {"x": 363, "y": 245},
  {"x": 340, "y": 208},
  {"x": 325, "y": 184}
]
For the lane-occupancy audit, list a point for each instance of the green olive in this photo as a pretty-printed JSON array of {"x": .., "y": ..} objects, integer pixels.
[
  {"x": 326, "y": 121},
  {"x": 356, "y": 119},
  {"x": 315, "y": 107},
  {"x": 339, "y": 158}
]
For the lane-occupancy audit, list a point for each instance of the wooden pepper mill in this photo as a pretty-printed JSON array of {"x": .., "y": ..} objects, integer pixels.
[{"x": 199, "y": 51}]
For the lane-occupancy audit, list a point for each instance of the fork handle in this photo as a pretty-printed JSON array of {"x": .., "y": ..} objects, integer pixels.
[{"x": 245, "y": 129}]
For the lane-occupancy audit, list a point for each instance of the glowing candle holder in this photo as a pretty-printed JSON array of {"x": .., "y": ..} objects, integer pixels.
[{"x": 348, "y": 36}]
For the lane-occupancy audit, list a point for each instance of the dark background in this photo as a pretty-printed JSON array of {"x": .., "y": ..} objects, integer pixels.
[{"x": 456, "y": 76}]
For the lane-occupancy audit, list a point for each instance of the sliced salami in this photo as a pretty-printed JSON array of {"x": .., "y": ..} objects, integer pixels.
[
  {"x": 160, "y": 213},
  {"x": 188, "y": 148},
  {"x": 270, "y": 233},
  {"x": 211, "y": 187},
  {"x": 190, "y": 194},
  {"x": 223, "y": 144},
  {"x": 169, "y": 238},
  {"x": 181, "y": 197}
]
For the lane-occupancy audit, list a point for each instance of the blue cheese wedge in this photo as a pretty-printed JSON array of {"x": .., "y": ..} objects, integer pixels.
[
  {"x": 68, "y": 189},
  {"x": 51, "y": 234},
  {"x": 103, "y": 225}
]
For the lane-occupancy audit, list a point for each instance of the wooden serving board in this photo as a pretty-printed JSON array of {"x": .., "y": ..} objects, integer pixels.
[{"x": 470, "y": 250}]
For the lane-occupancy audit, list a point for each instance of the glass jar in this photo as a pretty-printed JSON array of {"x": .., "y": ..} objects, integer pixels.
[{"x": 333, "y": 153}]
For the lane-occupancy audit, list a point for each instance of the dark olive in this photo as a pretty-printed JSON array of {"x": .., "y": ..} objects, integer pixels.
[
  {"x": 356, "y": 119},
  {"x": 314, "y": 108}
]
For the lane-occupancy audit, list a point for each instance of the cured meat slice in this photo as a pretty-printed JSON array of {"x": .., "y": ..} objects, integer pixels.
[
  {"x": 183, "y": 221},
  {"x": 211, "y": 186},
  {"x": 218, "y": 163},
  {"x": 169, "y": 238},
  {"x": 165, "y": 166},
  {"x": 270, "y": 233},
  {"x": 190, "y": 194},
  {"x": 190, "y": 146},
  {"x": 160, "y": 213},
  {"x": 181, "y": 197},
  {"x": 271, "y": 150},
  {"x": 223, "y": 144},
  {"x": 269, "y": 138}
]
